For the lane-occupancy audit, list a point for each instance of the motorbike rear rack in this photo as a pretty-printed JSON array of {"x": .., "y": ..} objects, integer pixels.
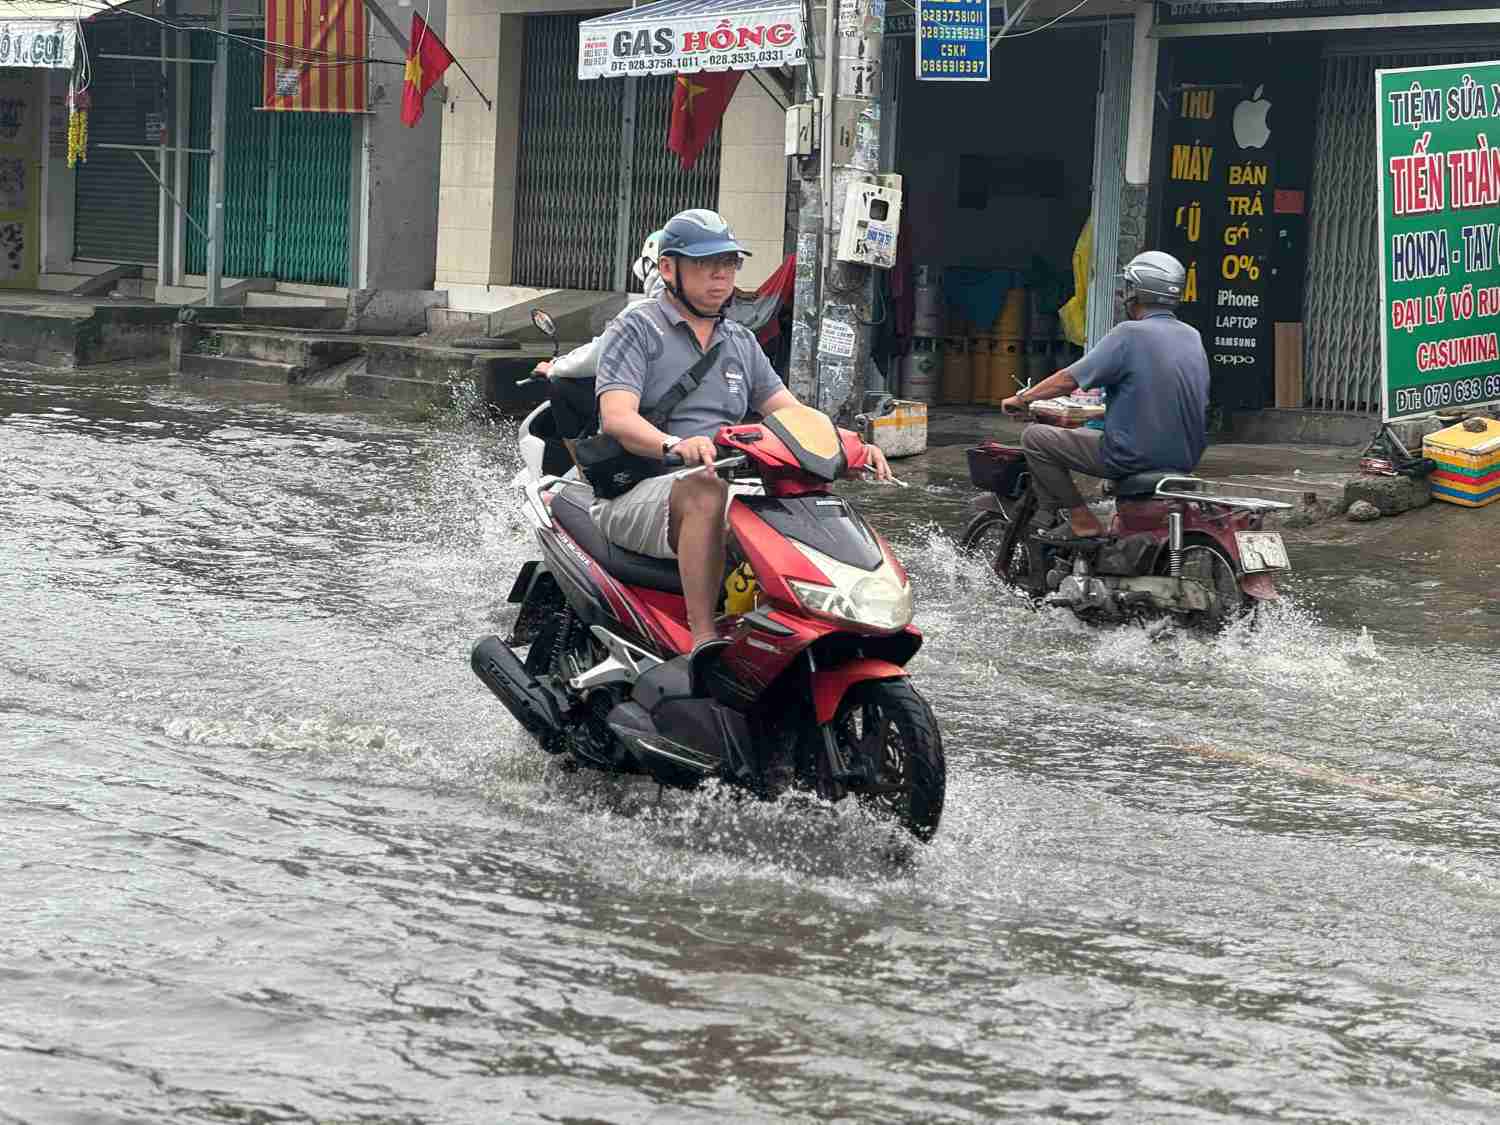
[{"x": 1172, "y": 488}]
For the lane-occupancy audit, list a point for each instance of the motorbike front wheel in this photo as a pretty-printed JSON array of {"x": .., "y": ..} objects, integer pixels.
[
  {"x": 993, "y": 535},
  {"x": 888, "y": 723}
]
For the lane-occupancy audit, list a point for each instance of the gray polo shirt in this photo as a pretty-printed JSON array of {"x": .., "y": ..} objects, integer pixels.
[
  {"x": 1156, "y": 377},
  {"x": 647, "y": 348}
]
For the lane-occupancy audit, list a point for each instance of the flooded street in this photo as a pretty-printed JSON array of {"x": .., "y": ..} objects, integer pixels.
[{"x": 270, "y": 852}]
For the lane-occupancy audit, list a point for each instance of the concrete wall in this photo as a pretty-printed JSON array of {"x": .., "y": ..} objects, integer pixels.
[
  {"x": 1039, "y": 102},
  {"x": 58, "y": 182},
  {"x": 476, "y": 198},
  {"x": 397, "y": 172},
  {"x": 753, "y": 176}
]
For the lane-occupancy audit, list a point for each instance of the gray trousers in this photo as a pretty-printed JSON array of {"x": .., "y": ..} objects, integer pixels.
[{"x": 1051, "y": 452}]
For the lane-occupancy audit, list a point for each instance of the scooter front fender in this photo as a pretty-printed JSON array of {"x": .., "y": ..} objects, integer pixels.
[{"x": 830, "y": 685}]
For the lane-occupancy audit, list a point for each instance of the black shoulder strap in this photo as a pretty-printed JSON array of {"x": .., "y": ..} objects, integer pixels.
[{"x": 685, "y": 386}]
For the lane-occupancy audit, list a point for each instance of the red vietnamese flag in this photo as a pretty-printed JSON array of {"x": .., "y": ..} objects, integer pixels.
[
  {"x": 698, "y": 105},
  {"x": 426, "y": 59}
]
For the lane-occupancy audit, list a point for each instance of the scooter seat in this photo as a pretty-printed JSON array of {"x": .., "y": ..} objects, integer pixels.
[
  {"x": 1144, "y": 484},
  {"x": 570, "y": 508}
]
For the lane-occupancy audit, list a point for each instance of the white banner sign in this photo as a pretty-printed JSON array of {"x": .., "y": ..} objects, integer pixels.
[
  {"x": 37, "y": 42},
  {"x": 633, "y": 43}
]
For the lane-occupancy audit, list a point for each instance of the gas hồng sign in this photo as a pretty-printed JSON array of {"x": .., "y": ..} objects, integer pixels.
[
  {"x": 1439, "y": 197},
  {"x": 687, "y": 38}
]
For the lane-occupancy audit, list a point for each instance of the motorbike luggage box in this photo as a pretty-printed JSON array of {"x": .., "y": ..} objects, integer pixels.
[{"x": 997, "y": 468}]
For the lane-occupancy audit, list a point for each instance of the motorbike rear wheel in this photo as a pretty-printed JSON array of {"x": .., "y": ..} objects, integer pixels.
[
  {"x": 1212, "y": 568},
  {"x": 889, "y": 724}
]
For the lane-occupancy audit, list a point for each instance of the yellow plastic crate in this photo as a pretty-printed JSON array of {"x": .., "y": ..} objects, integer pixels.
[{"x": 1468, "y": 464}]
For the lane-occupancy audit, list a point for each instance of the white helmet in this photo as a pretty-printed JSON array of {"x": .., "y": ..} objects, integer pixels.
[
  {"x": 645, "y": 264},
  {"x": 1154, "y": 278}
]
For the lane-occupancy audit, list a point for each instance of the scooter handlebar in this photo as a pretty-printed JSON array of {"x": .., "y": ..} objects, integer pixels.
[{"x": 674, "y": 461}]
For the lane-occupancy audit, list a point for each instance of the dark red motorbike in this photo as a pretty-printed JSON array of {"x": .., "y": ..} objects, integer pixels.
[
  {"x": 812, "y": 690},
  {"x": 1173, "y": 549}
]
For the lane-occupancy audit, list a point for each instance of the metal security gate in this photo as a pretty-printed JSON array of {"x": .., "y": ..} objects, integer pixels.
[
  {"x": 115, "y": 197},
  {"x": 571, "y": 181},
  {"x": 286, "y": 180},
  {"x": 1342, "y": 301}
]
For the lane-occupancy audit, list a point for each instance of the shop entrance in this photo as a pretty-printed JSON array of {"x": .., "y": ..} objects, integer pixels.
[{"x": 998, "y": 182}]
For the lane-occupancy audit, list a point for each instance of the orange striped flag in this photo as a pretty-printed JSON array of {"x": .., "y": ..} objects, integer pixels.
[{"x": 305, "y": 41}]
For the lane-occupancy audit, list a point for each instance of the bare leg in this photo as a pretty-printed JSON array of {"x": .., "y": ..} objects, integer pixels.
[{"x": 696, "y": 532}]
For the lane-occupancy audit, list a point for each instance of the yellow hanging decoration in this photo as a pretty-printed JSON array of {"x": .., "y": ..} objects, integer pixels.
[{"x": 78, "y": 128}]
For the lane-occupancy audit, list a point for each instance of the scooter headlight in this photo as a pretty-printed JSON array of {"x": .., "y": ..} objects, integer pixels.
[{"x": 876, "y": 599}]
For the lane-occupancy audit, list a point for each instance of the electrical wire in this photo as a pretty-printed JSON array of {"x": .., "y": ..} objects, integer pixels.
[
  {"x": 279, "y": 52},
  {"x": 1043, "y": 27}
]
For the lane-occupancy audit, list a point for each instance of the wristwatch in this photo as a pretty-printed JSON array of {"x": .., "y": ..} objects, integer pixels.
[{"x": 666, "y": 446}]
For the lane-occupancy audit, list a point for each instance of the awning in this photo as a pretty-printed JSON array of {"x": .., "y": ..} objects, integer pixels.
[
  {"x": 687, "y": 36},
  {"x": 45, "y": 32}
]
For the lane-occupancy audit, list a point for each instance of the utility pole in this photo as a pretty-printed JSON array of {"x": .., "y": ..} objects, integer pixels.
[
  {"x": 833, "y": 305},
  {"x": 802, "y": 373},
  {"x": 218, "y": 122}
]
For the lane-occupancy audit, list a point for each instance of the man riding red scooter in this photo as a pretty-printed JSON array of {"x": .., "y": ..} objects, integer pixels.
[{"x": 643, "y": 356}]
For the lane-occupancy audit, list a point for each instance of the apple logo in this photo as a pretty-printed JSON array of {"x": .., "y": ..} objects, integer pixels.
[{"x": 1250, "y": 128}]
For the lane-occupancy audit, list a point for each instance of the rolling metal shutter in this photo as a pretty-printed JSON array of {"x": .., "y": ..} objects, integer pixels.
[
  {"x": 116, "y": 198},
  {"x": 1342, "y": 298},
  {"x": 569, "y": 189},
  {"x": 286, "y": 180}
]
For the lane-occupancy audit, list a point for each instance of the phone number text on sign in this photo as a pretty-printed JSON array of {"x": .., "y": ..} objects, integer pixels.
[
  {"x": 1455, "y": 392},
  {"x": 953, "y": 40}
]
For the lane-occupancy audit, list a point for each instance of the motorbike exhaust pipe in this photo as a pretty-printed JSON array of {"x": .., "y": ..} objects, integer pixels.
[
  {"x": 1174, "y": 544},
  {"x": 505, "y": 675}
]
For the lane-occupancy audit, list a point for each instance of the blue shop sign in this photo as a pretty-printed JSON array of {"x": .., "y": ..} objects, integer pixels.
[{"x": 953, "y": 40}]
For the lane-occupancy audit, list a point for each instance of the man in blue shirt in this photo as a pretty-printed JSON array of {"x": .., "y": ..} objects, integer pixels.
[{"x": 1156, "y": 374}]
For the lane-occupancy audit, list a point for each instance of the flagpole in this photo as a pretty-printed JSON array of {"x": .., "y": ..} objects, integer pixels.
[{"x": 487, "y": 103}]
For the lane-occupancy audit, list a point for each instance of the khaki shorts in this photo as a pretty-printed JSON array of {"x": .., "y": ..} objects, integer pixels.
[{"x": 639, "y": 519}]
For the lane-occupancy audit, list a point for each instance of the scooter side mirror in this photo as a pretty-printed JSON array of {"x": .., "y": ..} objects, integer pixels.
[{"x": 546, "y": 326}]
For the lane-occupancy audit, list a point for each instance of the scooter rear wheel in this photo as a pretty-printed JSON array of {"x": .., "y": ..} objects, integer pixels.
[{"x": 888, "y": 722}]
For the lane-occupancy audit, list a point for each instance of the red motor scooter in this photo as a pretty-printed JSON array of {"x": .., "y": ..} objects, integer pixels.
[
  {"x": 812, "y": 690},
  {"x": 1173, "y": 549}
]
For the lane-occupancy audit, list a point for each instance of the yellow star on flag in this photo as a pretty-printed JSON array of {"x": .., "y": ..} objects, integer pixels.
[
  {"x": 414, "y": 71},
  {"x": 692, "y": 91}
]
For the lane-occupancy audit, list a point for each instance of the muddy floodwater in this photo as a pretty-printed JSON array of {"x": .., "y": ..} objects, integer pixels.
[{"x": 270, "y": 853}]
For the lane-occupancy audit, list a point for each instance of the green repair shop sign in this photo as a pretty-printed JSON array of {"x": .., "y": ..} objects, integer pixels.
[{"x": 1439, "y": 137}]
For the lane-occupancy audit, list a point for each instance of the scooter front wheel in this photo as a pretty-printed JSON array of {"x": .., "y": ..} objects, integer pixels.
[{"x": 887, "y": 728}]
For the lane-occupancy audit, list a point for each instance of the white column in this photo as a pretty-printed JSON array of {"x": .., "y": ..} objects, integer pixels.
[{"x": 1142, "y": 97}]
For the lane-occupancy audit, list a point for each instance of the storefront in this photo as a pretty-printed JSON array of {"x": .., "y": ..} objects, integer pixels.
[
  {"x": 1003, "y": 181},
  {"x": 37, "y": 50},
  {"x": 1264, "y": 183}
]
